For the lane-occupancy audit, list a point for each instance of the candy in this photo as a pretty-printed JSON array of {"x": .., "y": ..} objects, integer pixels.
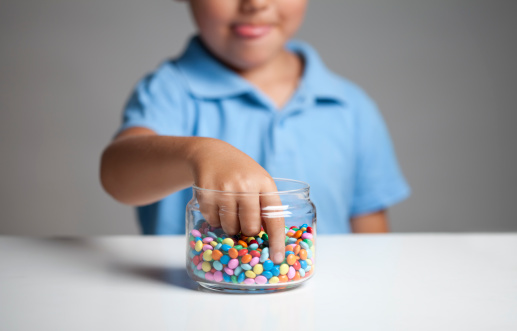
[
  {"x": 258, "y": 269},
  {"x": 216, "y": 257},
  {"x": 199, "y": 245},
  {"x": 233, "y": 253},
  {"x": 254, "y": 261},
  {"x": 260, "y": 280}
]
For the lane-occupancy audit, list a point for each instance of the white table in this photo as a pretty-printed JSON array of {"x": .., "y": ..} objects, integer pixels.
[{"x": 369, "y": 282}]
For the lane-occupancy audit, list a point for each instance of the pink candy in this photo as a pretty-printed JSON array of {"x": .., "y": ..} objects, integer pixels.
[
  {"x": 218, "y": 276},
  {"x": 206, "y": 247},
  {"x": 291, "y": 272},
  {"x": 234, "y": 263},
  {"x": 260, "y": 279},
  {"x": 254, "y": 261},
  {"x": 209, "y": 276},
  {"x": 199, "y": 265},
  {"x": 196, "y": 233},
  {"x": 306, "y": 235},
  {"x": 228, "y": 271},
  {"x": 208, "y": 240},
  {"x": 249, "y": 281}
]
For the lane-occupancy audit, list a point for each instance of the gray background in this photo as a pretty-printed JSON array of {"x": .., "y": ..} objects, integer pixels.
[{"x": 442, "y": 71}]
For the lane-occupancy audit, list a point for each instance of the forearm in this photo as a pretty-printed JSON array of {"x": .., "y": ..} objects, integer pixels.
[
  {"x": 370, "y": 223},
  {"x": 141, "y": 169}
]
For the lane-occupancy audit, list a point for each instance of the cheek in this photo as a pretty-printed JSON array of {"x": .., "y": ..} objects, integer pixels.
[{"x": 292, "y": 13}]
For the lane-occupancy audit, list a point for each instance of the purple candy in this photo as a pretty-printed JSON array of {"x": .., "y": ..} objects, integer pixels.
[
  {"x": 228, "y": 271},
  {"x": 208, "y": 240},
  {"x": 209, "y": 276},
  {"x": 218, "y": 276},
  {"x": 196, "y": 233},
  {"x": 254, "y": 261},
  {"x": 234, "y": 263},
  {"x": 260, "y": 279},
  {"x": 249, "y": 281}
]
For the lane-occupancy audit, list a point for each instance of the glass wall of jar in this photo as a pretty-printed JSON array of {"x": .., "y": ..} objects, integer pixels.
[{"x": 240, "y": 263}]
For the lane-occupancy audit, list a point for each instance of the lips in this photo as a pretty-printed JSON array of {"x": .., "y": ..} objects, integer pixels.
[{"x": 251, "y": 31}]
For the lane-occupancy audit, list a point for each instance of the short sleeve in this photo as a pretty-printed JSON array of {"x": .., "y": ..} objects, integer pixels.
[
  {"x": 378, "y": 182},
  {"x": 156, "y": 103}
]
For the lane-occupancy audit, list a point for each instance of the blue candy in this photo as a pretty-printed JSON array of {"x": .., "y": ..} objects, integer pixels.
[
  {"x": 288, "y": 253},
  {"x": 264, "y": 255},
  {"x": 304, "y": 245},
  {"x": 219, "y": 266},
  {"x": 302, "y": 272},
  {"x": 304, "y": 225},
  {"x": 227, "y": 277},
  {"x": 241, "y": 277},
  {"x": 268, "y": 264},
  {"x": 218, "y": 246},
  {"x": 224, "y": 259},
  {"x": 303, "y": 264},
  {"x": 245, "y": 266},
  {"x": 253, "y": 246},
  {"x": 237, "y": 271},
  {"x": 309, "y": 253},
  {"x": 268, "y": 274},
  {"x": 275, "y": 270},
  {"x": 225, "y": 248}
]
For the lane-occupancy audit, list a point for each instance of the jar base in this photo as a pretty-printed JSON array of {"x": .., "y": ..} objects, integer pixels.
[{"x": 249, "y": 289}]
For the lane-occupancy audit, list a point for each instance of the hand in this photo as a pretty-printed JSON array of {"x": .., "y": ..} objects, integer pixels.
[{"x": 219, "y": 166}]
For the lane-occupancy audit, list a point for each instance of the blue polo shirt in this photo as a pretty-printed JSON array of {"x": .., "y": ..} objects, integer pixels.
[{"x": 330, "y": 134}]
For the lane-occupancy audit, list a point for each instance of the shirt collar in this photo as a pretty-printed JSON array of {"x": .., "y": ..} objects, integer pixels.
[{"x": 208, "y": 78}]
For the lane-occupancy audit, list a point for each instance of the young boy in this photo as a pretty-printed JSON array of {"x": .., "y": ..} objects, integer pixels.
[{"x": 243, "y": 105}]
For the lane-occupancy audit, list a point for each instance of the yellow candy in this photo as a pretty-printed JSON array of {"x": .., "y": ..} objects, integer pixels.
[
  {"x": 199, "y": 246},
  {"x": 206, "y": 266},
  {"x": 207, "y": 255},
  {"x": 250, "y": 274},
  {"x": 284, "y": 269},
  {"x": 250, "y": 239},
  {"x": 228, "y": 242},
  {"x": 261, "y": 233},
  {"x": 213, "y": 243},
  {"x": 274, "y": 280},
  {"x": 309, "y": 262},
  {"x": 258, "y": 269}
]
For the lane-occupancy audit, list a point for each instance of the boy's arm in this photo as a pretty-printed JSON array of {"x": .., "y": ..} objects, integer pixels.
[
  {"x": 140, "y": 167},
  {"x": 370, "y": 223}
]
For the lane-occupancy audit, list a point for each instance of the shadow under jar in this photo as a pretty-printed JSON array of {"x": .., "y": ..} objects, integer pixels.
[{"x": 239, "y": 263}]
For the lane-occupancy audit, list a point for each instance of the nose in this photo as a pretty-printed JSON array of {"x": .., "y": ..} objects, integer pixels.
[{"x": 251, "y": 6}]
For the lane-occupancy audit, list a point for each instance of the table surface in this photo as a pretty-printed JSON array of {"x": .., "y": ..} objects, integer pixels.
[{"x": 362, "y": 282}]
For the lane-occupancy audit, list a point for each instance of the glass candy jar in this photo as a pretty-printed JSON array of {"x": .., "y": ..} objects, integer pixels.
[{"x": 239, "y": 263}]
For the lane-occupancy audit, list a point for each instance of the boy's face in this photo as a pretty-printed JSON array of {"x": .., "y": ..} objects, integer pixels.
[{"x": 246, "y": 34}]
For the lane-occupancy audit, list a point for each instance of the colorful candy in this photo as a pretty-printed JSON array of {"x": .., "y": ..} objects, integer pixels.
[{"x": 216, "y": 257}]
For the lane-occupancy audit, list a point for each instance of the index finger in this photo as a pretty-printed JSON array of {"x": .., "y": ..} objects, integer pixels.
[{"x": 272, "y": 213}]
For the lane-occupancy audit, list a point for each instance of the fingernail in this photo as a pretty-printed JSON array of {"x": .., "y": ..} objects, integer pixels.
[{"x": 278, "y": 257}]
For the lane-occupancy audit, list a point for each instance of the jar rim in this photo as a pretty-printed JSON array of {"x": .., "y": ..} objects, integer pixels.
[{"x": 305, "y": 188}]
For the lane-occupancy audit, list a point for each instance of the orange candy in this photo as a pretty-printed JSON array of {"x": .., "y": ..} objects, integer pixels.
[
  {"x": 283, "y": 278},
  {"x": 216, "y": 254},
  {"x": 288, "y": 248},
  {"x": 245, "y": 259},
  {"x": 242, "y": 243},
  {"x": 291, "y": 259},
  {"x": 297, "y": 276},
  {"x": 298, "y": 241},
  {"x": 233, "y": 253},
  {"x": 297, "y": 249},
  {"x": 298, "y": 234},
  {"x": 302, "y": 254}
]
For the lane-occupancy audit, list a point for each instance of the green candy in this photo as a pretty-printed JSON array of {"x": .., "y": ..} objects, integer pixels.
[
  {"x": 265, "y": 236},
  {"x": 238, "y": 247},
  {"x": 308, "y": 242},
  {"x": 191, "y": 238},
  {"x": 219, "y": 240},
  {"x": 234, "y": 279}
]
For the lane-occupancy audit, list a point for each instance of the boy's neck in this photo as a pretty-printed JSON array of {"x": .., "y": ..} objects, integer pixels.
[{"x": 278, "y": 78}]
